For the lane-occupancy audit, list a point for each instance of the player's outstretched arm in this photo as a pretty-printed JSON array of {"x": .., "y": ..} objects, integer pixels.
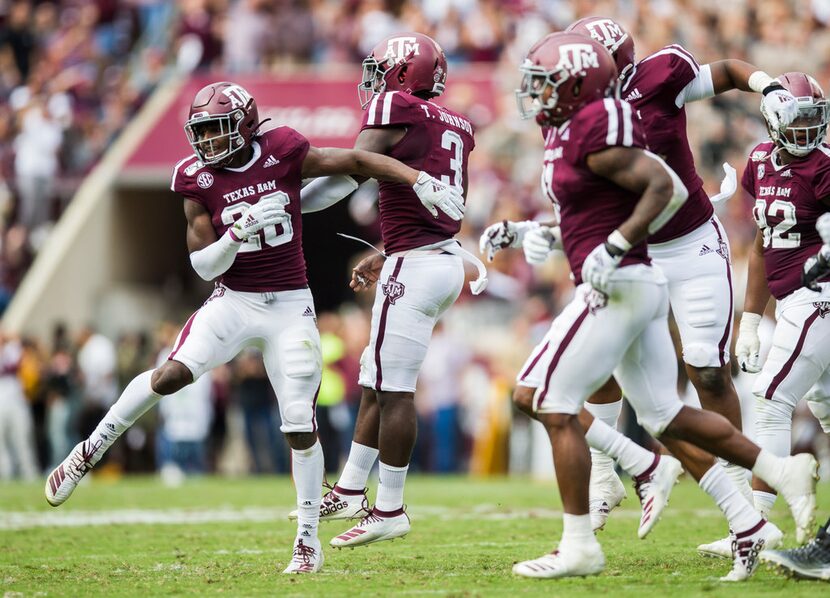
[{"x": 434, "y": 194}]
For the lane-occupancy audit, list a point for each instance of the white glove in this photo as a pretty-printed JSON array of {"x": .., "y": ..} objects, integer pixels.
[
  {"x": 269, "y": 210},
  {"x": 779, "y": 107},
  {"x": 728, "y": 185},
  {"x": 823, "y": 227},
  {"x": 435, "y": 194},
  {"x": 540, "y": 242},
  {"x": 748, "y": 346},
  {"x": 599, "y": 266},
  {"x": 502, "y": 235}
]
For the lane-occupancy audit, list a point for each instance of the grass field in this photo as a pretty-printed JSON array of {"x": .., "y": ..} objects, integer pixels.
[{"x": 136, "y": 537}]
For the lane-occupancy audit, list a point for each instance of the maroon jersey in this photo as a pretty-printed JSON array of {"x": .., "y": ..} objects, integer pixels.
[
  {"x": 273, "y": 259},
  {"x": 591, "y": 206},
  {"x": 787, "y": 205},
  {"x": 653, "y": 89},
  {"x": 437, "y": 141}
]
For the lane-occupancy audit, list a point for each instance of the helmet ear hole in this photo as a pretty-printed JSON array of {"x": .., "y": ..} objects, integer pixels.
[
  {"x": 577, "y": 88},
  {"x": 402, "y": 74}
]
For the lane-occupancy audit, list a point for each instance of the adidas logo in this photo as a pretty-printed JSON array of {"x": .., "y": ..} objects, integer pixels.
[
  {"x": 308, "y": 312},
  {"x": 271, "y": 161},
  {"x": 305, "y": 534},
  {"x": 634, "y": 95},
  {"x": 705, "y": 250},
  {"x": 787, "y": 174},
  {"x": 306, "y": 503},
  {"x": 110, "y": 426}
]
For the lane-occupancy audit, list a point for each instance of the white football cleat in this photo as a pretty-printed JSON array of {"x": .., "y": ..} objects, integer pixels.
[
  {"x": 374, "y": 527},
  {"x": 798, "y": 487},
  {"x": 571, "y": 561},
  {"x": 308, "y": 556},
  {"x": 719, "y": 549},
  {"x": 654, "y": 487},
  {"x": 338, "y": 503},
  {"x": 65, "y": 477},
  {"x": 606, "y": 492},
  {"x": 746, "y": 547}
]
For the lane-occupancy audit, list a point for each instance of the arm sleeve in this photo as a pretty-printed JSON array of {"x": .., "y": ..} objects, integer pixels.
[
  {"x": 603, "y": 124},
  {"x": 821, "y": 182},
  {"x": 699, "y": 88},
  {"x": 215, "y": 259},
  {"x": 323, "y": 192},
  {"x": 669, "y": 71},
  {"x": 748, "y": 178}
]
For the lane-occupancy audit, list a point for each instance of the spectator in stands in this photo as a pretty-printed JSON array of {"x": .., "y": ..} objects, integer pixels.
[{"x": 17, "y": 453}]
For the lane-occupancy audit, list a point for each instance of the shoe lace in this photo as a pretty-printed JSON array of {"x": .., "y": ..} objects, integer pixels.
[
  {"x": 331, "y": 497},
  {"x": 642, "y": 486},
  {"x": 81, "y": 461},
  {"x": 303, "y": 553},
  {"x": 370, "y": 518}
]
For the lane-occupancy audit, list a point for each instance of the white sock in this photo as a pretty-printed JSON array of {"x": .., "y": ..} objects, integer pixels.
[
  {"x": 308, "y": 479},
  {"x": 359, "y": 464},
  {"x": 631, "y": 457},
  {"x": 391, "y": 481},
  {"x": 134, "y": 402},
  {"x": 608, "y": 413},
  {"x": 577, "y": 530},
  {"x": 739, "y": 477},
  {"x": 769, "y": 468},
  {"x": 763, "y": 501},
  {"x": 739, "y": 512}
]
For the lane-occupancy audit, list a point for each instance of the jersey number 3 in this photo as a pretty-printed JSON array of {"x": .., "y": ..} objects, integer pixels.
[
  {"x": 270, "y": 235},
  {"x": 452, "y": 141}
]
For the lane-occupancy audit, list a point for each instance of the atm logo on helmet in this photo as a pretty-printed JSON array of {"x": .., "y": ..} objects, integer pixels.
[
  {"x": 575, "y": 58},
  {"x": 607, "y": 32},
  {"x": 399, "y": 48},
  {"x": 238, "y": 96}
]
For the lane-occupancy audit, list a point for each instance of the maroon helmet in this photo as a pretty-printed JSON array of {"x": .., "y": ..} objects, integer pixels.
[
  {"x": 610, "y": 34},
  {"x": 578, "y": 70},
  {"x": 809, "y": 128},
  {"x": 409, "y": 62},
  {"x": 223, "y": 119}
]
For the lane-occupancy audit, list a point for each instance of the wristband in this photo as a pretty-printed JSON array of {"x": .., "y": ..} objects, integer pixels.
[
  {"x": 617, "y": 245},
  {"x": 758, "y": 81}
]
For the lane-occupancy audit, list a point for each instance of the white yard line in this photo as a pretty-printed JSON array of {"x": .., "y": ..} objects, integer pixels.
[{"x": 16, "y": 520}]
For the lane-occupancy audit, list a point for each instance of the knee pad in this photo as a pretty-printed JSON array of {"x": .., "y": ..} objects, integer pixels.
[
  {"x": 701, "y": 355},
  {"x": 297, "y": 414},
  {"x": 301, "y": 355},
  {"x": 821, "y": 411}
]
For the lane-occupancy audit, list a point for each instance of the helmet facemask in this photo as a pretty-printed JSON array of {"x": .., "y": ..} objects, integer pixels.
[
  {"x": 372, "y": 82},
  {"x": 535, "y": 81},
  {"x": 216, "y": 149},
  {"x": 807, "y": 131}
]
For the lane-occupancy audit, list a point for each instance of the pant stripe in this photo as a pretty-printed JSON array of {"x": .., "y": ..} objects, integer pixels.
[
  {"x": 533, "y": 363},
  {"x": 382, "y": 329},
  {"x": 722, "y": 345},
  {"x": 779, "y": 377},
  {"x": 183, "y": 336},
  {"x": 559, "y": 351}
]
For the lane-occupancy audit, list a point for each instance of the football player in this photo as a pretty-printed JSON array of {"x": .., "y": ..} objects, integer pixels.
[
  {"x": 241, "y": 190},
  {"x": 692, "y": 249},
  {"x": 811, "y": 561},
  {"x": 418, "y": 277},
  {"x": 789, "y": 179},
  {"x": 612, "y": 195}
]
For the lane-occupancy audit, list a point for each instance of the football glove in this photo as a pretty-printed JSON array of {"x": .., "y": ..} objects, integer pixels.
[
  {"x": 436, "y": 195},
  {"x": 779, "y": 106},
  {"x": 270, "y": 210},
  {"x": 540, "y": 242},
  {"x": 817, "y": 266},
  {"x": 502, "y": 235},
  {"x": 823, "y": 228},
  {"x": 748, "y": 345},
  {"x": 603, "y": 261}
]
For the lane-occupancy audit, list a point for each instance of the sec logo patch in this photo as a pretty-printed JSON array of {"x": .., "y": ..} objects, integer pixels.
[{"x": 204, "y": 180}]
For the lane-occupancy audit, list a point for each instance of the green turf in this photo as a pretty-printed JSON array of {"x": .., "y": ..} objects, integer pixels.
[{"x": 466, "y": 534}]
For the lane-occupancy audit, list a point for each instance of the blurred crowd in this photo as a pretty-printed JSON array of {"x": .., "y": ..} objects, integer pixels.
[{"x": 75, "y": 71}]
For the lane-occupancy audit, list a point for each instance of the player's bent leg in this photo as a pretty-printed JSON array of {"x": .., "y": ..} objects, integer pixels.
[{"x": 140, "y": 395}]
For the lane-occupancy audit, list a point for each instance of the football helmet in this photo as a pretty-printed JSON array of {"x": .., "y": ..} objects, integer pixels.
[
  {"x": 610, "y": 34},
  {"x": 809, "y": 128},
  {"x": 223, "y": 119},
  {"x": 409, "y": 62},
  {"x": 577, "y": 70}
]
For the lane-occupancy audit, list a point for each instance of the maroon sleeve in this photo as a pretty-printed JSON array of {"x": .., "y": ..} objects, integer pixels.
[
  {"x": 821, "y": 179},
  {"x": 390, "y": 109},
  {"x": 184, "y": 179},
  {"x": 603, "y": 124},
  {"x": 670, "y": 70},
  {"x": 748, "y": 178}
]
